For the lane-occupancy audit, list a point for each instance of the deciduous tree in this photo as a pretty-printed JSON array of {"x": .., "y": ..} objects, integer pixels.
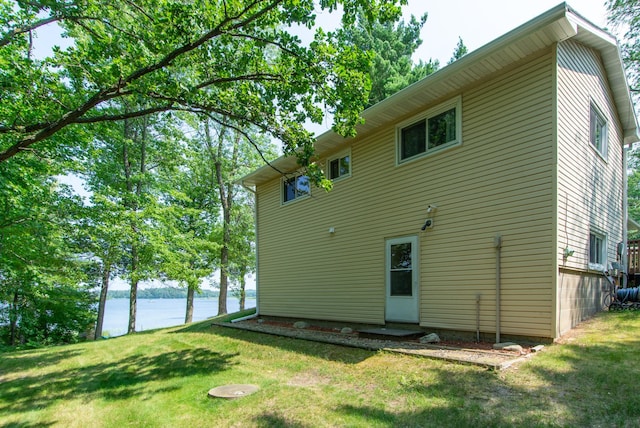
[
  {"x": 44, "y": 297},
  {"x": 236, "y": 59}
]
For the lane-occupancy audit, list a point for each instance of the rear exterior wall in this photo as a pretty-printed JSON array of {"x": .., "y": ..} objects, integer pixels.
[
  {"x": 499, "y": 181},
  {"x": 590, "y": 184}
]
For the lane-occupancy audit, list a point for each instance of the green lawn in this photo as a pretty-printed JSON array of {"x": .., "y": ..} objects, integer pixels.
[{"x": 161, "y": 378}]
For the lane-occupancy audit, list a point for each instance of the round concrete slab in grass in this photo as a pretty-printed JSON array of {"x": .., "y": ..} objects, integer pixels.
[{"x": 233, "y": 391}]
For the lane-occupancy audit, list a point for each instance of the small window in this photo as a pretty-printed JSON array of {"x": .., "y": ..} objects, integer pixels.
[
  {"x": 598, "y": 131},
  {"x": 295, "y": 188},
  {"x": 438, "y": 128},
  {"x": 597, "y": 251},
  {"x": 340, "y": 166}
]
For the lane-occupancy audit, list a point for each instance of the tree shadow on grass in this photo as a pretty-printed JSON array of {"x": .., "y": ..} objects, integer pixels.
[
  {"x": 275, "y": 420},
  {"x": 575, "y": 385},
  {"x": 25, "y": 360},
  {"x": 114, "y": 380},
  {"x": 311, "y": 348},
  {"x": 26, "y": 425}
]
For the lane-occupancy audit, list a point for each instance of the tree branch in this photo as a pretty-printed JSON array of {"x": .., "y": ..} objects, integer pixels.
[
  {"x": 218, "y": 30},
  {"x": 66, "y": 119},
  {"x": 265, "y": 41},
  {"x": 247, "y": 77},
  {"x": 6, "y": 38},
  {"x": 234, "y": 127},
  {"x": 196, "y": 107},
  {"x": 116, "y": 90},
  {"x": 124, "y": 116}
]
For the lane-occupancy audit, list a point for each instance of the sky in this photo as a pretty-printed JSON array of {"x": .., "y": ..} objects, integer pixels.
[{"x": 479, "y": 22}]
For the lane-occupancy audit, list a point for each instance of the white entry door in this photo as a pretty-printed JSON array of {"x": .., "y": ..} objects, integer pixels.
[{"x": 402, "y": 279}]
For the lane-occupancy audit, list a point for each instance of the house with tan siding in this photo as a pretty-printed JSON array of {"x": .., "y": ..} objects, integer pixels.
[{"x": 489, "y": 196}]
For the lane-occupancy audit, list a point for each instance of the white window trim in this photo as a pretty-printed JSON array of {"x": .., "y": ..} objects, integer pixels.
[
  {"x": 338, "y": 156},
  {"x": 600, "y": 267},
  {"x": 282, "y": 189},
  {"x": 434, "y": 111},
  {"x": 605, "y": 149}
]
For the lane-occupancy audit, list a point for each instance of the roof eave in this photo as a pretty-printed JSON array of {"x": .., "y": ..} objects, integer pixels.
[
  {"x": 593, "y": 36},
  {"x": 554, "y": 26}
]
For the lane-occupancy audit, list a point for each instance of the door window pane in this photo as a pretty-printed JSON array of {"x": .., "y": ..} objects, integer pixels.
[
  {"x": 401, "y": 256},
  {"x": 401, "y": 273},
  {"x": 401, "y": 283}
]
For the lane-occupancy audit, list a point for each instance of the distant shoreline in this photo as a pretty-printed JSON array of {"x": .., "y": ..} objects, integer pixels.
[{"x": 171, "y": 293}]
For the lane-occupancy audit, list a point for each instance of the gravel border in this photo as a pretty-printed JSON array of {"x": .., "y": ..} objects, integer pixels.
[{"x": 493, "y": 360}]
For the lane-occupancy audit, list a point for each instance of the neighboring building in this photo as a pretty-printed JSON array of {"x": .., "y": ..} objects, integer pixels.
[{"x": 518, "y": 145}]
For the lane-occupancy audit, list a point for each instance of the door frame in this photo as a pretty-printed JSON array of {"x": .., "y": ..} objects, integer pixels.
[{"x": 403, "y": 308}]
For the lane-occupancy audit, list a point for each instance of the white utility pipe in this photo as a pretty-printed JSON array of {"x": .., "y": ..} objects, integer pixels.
[{"x": 498, "y": 244}]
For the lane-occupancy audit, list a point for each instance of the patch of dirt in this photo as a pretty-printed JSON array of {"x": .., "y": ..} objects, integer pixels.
[
  {"x": 308, "y": 380},
  {"x": 451, "y": 343}
]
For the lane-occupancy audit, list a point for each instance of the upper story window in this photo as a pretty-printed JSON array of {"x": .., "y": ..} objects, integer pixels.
[
  {"x": 295, "y": 188},
  {"x": 339, "y": 166},
  {"x": 438, "y": 128},
  {"x": 597, "y": 251},
  {"x": 598, "y": 131}
]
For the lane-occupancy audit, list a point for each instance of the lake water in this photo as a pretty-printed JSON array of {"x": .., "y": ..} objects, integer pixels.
[{"x": 157, "y": 313}]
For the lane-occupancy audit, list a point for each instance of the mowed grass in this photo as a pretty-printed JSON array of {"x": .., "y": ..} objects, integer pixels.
[{"x": 161, "y": 379}]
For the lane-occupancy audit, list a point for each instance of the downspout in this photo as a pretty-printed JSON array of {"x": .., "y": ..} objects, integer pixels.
[
  {"x": 255, "y": 221},
  {"x": 498, "y": 245},
  {"x": 625, "y": 218}
]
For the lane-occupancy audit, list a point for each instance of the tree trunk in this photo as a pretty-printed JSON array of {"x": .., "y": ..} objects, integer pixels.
[
  {"x": 106, "y": 274},
  {"x": 133, "y": 295},
  {"x": 188, "y": 318},
  {"x": 225, "y": 188},
  {"x": 243, "y": 293},
  {"x": 133, "y": 306},
  {"x": 224, "y": 281},
  {"x": 134, "y": 187},
  {"x": 13, "y": 319}
]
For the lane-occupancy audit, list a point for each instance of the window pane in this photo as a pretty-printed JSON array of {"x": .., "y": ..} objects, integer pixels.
[
  {"x": 597, "y": 130},
  {"x": 401, "y": 283},
  {"x": 401, "y": 256},
  {"x": 596, "y": 250},
  {"x": 302, "y": 184},
  {"x": 442, "y": 128},
  {"x": 344, "y": 165},
  {"x": 289, "y": 189},
  {"x": 592, "y": 126},
  {"x": 334, "y": 171},
  {"x": 413, "y": 140}
]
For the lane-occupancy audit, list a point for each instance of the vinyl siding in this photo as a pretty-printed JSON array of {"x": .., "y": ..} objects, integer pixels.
[
  {"x": 498, "y": 181},
  {"x": 590, "y": 187}
]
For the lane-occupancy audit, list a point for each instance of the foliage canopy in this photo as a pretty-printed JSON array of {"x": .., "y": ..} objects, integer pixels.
[{"x": 234, "y": 60}]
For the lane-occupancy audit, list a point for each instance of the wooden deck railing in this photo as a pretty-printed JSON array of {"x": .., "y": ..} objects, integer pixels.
[{"x": 633, "y": 252}]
